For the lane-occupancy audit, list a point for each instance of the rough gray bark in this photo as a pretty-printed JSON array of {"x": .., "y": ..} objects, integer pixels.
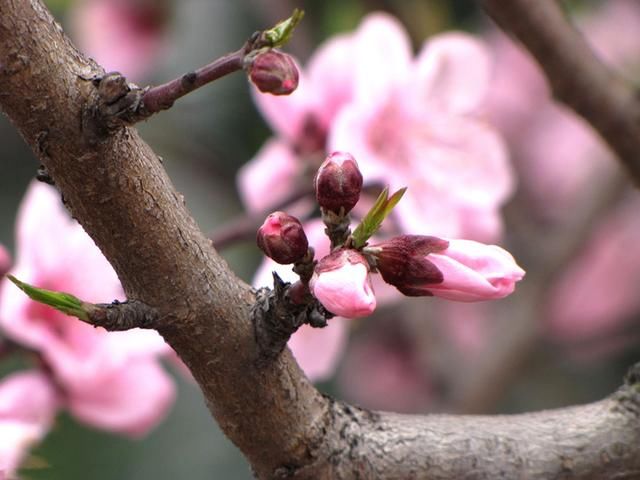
[{"x": 118, "y": 190}]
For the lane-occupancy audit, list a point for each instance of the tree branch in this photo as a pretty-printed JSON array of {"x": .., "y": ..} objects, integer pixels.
[
  {"x": 117, "y": 189},
  {"x": 577, "y": 77}
]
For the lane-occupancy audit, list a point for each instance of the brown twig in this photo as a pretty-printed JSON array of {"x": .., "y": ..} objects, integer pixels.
[
  {"x": 162, "y": 96},
  {"x": 577, "y": 77}
]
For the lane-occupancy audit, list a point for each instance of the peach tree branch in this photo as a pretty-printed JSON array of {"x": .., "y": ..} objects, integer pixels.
[{"x": 117, "y": 188}]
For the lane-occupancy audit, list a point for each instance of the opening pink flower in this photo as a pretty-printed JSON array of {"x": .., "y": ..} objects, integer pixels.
[
  {"x": 462, "y": 270},
  {"x": 424, "y": 130},
  {"x": 342, "y": 284},
  {"x": 110, "y": 380}
]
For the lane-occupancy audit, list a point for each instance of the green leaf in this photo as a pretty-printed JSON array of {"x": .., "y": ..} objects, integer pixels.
[
  {"x": 64, "y": 302},
  {"x": 374, "y": 218},
  {"x": 280, "y": 34}
]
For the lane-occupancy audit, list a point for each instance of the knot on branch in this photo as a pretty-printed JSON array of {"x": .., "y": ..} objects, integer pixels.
[
  {"x": 279, "y": 312},
  {"x": 118, "y": 316},
  {"x": 113, "y": 103},
  {"x": 628, "y": 396}
]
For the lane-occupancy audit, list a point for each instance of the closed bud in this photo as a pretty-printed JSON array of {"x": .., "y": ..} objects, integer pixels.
[
  {"x": 338, "y": 182},
  {"x": 342, "y": 284},
  {"x": 282, "y": 238},
  {"x": 273, "y": 71}
]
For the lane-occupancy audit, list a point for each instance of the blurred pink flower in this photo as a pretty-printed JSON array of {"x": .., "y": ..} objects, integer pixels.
[
  {"x": 121, "y": 35},
  {"x": 5, "y": 261},
  {"x": 557, "y": 154},
  {"x": 414, "y": 123},
  {"x": 109, "y": 380},
  {"x": 599, "y": 291},
  {"x": 28, "y": 404},
  {"x": 380, "y": 371},
  {"x": 342, "y": 283}
]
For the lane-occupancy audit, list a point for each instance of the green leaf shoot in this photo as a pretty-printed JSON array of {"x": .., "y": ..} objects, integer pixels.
[
  {"x": 281, "y": 33},
  {"x": 64, "y": 302},
  {"x": 372, "y": 221}
]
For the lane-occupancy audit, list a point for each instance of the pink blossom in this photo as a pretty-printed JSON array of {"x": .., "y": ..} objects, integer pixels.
[
  {"x": 109, "y": 380},
  {"x": 598, "y": 292},
  {"x": 462, "y": 270},
  {"x": 28, "y": 404},
  {"x": 423, "y": 129},
  {"x": 474, "y": 272},
  {"x": 121, "y": 35},
  {"x": 341, "y": 282},
  {"x": 5, "y": 261}
]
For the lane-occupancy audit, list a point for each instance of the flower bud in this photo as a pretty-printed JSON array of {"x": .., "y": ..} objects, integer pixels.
[
  {"x": 342, "y": 284},
  {"x": 282, "y": 238},
  {"x": 274, "y": 72},
  {"x": 338, "y": 182},
  {"x": 402, "y": 261},
  {"x": 461, "y": 270}
]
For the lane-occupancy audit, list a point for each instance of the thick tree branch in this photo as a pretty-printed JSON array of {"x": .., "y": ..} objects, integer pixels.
[
  {"x": 117, "y": 189},
  {"x": 577, "y": 77}
]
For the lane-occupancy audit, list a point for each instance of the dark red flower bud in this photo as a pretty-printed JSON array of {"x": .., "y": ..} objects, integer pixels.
[
  {"x": 403, "y": 262},
  {"x": 274, "y": 72},
  {"x": 282, "y": 238},
  {"x": 338, "y": 182}
]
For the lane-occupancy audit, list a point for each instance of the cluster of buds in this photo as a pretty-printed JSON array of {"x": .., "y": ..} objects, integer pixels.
[{"x": 417, "y": 265}]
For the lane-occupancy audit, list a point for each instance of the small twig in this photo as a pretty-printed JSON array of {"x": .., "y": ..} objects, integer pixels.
[
  {"x": 117, "y": 102},
  {"x": 163, "y": 96},
  {"x": 577, "y": 77},
  {"x": 119, "y": 316}
]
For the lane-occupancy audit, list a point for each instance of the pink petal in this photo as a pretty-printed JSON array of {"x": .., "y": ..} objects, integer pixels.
[
  {"x": 318, "y": 350},
  {"x": 286, "y": 114},
  {"x": 132, "y": 400},
  {"x": 382, "y": 56},
  {"x": 474, "y": 272},
  {"x": 332, "y": 78},
  {"x": 453, "y": 72},
  {"x": 5, "y": 261},
  {"x": 269, "y": 177},
  {"x": 120, "y": 36},
  {"x": 28, "y": 404},
  {"x": 346, "y": 290}
]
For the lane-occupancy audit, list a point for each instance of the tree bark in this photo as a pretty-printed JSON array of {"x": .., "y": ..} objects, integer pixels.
[{"x": 116, "y": 187}]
